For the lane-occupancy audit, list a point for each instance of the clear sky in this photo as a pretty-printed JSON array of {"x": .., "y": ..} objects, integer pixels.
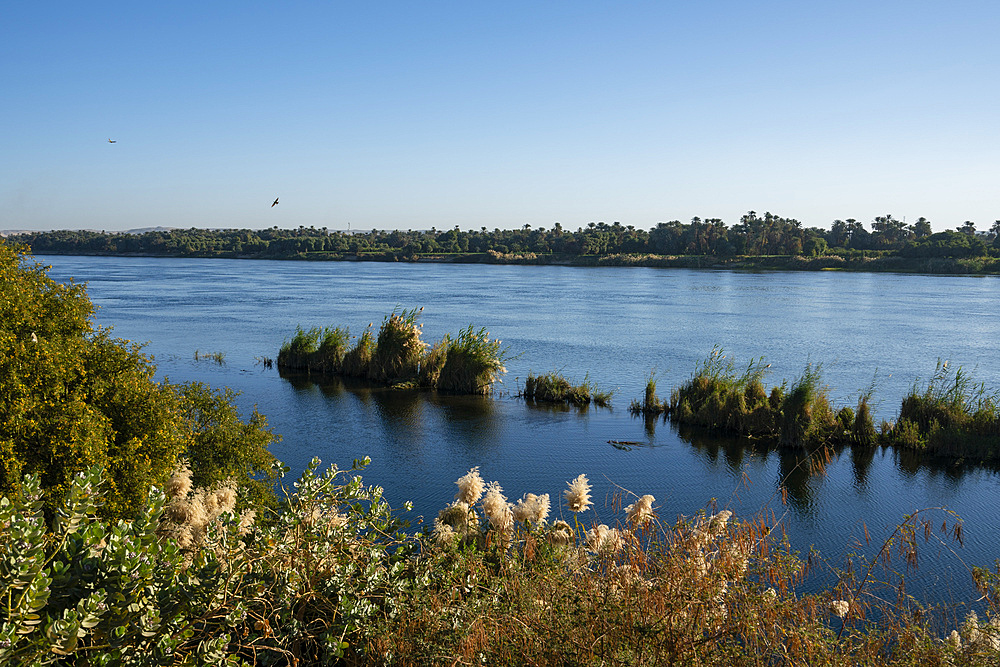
[{"x": 425, "y": 113}]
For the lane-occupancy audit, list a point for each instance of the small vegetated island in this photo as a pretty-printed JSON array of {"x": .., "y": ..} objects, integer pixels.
[
  {"x": 953, "y": 416},
  {"x": 147, "y": 523},
  {"x": 398, "y": 357},
  {"x": 765, "y": 241},
  {"x": 469, "y": 363}
]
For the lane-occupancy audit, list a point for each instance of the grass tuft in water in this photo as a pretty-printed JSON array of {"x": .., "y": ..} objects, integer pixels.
[
  {"x": 952, "y": 416},
  {"x": 217, "y": 357},
  {"x": 358, "y": 359},
  {"x": 554, "y": 388},
  {"x": 473, "y": 363},
  {"x": 470, "y": 363},
  {"x": 398, "y": 349}
]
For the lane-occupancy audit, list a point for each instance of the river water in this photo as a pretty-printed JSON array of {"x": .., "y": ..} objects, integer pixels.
[{"x": 615, "y": 326}]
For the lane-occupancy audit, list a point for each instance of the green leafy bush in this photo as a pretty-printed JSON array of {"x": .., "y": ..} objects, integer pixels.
[{"x": 72, "y": 397}]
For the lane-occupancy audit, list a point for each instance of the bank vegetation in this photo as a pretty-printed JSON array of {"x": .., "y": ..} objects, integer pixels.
[{"x": 756, "y": 242}]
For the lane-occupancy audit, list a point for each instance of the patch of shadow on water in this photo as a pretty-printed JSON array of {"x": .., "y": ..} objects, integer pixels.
[
  {"x": 409, "y": 414},
  {"x": 562, "y": 407}
]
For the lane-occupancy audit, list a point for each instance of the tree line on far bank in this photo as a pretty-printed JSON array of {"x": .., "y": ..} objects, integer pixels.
[{"x": 754, "y": 235}]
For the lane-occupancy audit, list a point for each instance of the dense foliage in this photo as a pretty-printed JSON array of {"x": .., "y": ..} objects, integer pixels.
[
  {"x": 754, "y": 235},
  {"x": 72, "y": 396},
  {"x": 331, "y": 579}
]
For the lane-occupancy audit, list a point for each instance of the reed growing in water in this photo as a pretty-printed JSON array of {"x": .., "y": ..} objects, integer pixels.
[
  {"x": 718, "y": 398},
  {"x": 472, "y": 363},
  {"x": 555, "y": 388},
  {"x": 651, "y": 405},
  {"x": 952, "y": 416},
  {"x": 469, "y": 363},
  {"x": 358, "y": 359},
  {"x": 398, "y": 349}
]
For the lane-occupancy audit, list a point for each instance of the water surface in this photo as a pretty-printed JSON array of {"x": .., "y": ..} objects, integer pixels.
[{"x": 616, "y": 325}]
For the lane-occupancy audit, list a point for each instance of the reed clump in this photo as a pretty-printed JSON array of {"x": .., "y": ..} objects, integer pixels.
[
  {"x": 469, "y": 363},
  {"x": 651, "y": 405},
  {"x": 718, "y": 398},
  {"x": 952, "y": 416},
  {"x": 473, "y": 364},
  {"x": 398, "y": 349},
  {"x": 555, "y": 388}
]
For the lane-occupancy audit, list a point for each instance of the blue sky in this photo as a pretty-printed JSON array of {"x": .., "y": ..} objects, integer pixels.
[{"x": 418, "y": 114}]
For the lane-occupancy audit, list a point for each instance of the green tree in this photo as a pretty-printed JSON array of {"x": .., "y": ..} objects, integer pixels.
[
  {"x": 73, "y": 397},
  {"x": 921, "y": 228}
]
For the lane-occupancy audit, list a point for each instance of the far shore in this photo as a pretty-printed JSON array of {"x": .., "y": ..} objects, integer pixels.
[{"x": 874, "y": 264}]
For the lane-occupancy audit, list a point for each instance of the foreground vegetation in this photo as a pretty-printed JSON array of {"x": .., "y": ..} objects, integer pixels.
[
  {"x": 952, "y": 416},
  {"x": 756, "y": 242},
  {"x": 330, "y": 578},
  {"x": 469, "y": 363},
  {"x": 72, "y": 396}
]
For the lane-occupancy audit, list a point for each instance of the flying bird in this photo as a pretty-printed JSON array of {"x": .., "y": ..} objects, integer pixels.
[
  {"x": 112, "y": 141},
  {"x": 275, "y": 202}
]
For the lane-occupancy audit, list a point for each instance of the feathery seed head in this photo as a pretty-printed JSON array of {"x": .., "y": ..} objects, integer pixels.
[
  {"x": 718, "y": 522},
  {"x": 532, "y": 509},
  {"x": 562, "y": 534},
  {"x": 602, "y": 539},
  {"x": 641, "y": 511},
  {"x": 470, "y": 487},
  {"x": 578, "y": 494},
  {"x": 497, "y": 509},
  {"x": 180, "y": 483},
  {"x": 840, "y": 608}
]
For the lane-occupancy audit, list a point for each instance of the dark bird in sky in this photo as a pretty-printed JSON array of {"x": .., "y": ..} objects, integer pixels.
[
  {"x": 112, "y": 141},
  {"x": 275, "y": 202}
]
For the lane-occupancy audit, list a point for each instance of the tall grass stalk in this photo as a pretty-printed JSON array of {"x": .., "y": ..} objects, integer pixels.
[
  {"x": 953, "y": 416},
  {"x": 358, "y": 359},
  {"x": 473, "y": 363},
  {"x": 651, "y": 404},
  {"x": 398, "y": 348}
]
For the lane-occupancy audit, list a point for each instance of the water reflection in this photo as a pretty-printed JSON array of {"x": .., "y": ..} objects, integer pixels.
[
  {"x": 861, "y": 464},
  {"x": 406, "y": 417}
]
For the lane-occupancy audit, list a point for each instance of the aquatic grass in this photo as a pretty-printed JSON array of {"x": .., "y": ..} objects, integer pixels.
[
  {"x": 333, "y": 345},
  {"x": 718, "y": 398},
  {"x": 472, "y": 364},
  {"x": 358, "y": 359},
  {"x": 555, "y": 388},
  {"x": 316, "y": 349},
  {"x": 217, "y": 357},
  {"x": 651, "y": 404},
  {"x": 469, "y": 363},
  {"x": 297, "y": 353},
  {"x": 807, "y": 418},
  {"x": 398, "y": 348},
  {"x": 433, "y": 362},
  {"x": 953, "y": 416}
]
